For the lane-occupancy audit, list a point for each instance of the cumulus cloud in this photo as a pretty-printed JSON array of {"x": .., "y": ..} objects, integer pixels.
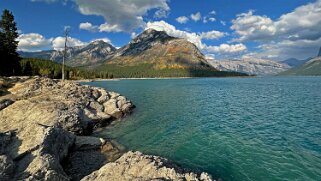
[
  {"x": 33, "y": 42},
  {"x": 122, "y": 15},
  {"x": 182, "y": 19},
  {"x": 207, "y": 19},
  {"x": 58, "y": 43},
  {"x": 226, "y": 48},
  {"x": 253, "y": 27},
  {"x": 88, "y": 26},
  {"x": 211, "y": 35},
  {"x": 285, "y": 49},
  {"x": 109, "y": 28},
  {"x": 196, "y": 17},
  {"x": 294, "y": 34}
]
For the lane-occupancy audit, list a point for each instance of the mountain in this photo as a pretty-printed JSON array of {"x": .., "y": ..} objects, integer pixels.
[
  {"x": 160, "y": 49},
  {"x": 311, "y": 67},
  {"x": 94, "y": 53},
  {"x": 252, "y": 66},
  {"x": 293, "y": 62},
  {"x": 156, "y": 54},
  {"x": 319, "y": 54}
]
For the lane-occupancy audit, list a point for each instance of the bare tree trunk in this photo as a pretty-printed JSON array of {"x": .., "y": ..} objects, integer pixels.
[{"x": 64, "y": 55}]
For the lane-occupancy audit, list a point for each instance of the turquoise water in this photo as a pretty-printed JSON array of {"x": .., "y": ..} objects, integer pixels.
[{"x": 264, "y": 128}]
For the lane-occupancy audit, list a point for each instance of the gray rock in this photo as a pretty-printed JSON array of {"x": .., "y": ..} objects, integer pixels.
[
  {"x": 5, "y": 103},
  {"x": 112, "y": 109},
  {"x": 6, "y": 168},
  {"x": 45, "y": 118},
  {"x": 140, "y": 167}
]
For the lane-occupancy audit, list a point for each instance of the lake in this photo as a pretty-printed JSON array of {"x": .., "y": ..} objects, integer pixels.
[{"x": 259, "y": 128}]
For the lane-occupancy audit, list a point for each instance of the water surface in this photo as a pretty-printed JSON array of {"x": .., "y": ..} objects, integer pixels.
[{"x": 264, "y": 128}]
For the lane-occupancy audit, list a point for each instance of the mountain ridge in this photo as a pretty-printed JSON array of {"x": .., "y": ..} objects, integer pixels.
[
  {"x": 252, "y": 66},
  {"x": 311, "y": 68},
  {"x": 95, "y": 52}
]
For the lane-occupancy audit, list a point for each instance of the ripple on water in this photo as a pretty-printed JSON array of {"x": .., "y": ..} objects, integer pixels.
[{"x": 237, "y": 129}]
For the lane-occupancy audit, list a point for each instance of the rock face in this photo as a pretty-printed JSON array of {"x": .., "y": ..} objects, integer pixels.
[
  {"x": 156, "y": 47},
  {"x": 252, "y": 66},
  {"x": 39, "y": 128},
  {"x": 137, "y": 166},
  {"x": 93, "y": 53}
]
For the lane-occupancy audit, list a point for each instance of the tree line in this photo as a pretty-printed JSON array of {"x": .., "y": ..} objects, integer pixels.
[{"x": 12, "y": 65}]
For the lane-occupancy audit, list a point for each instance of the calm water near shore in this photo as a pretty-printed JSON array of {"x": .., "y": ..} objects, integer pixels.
[{"x": 263, "y": 128}]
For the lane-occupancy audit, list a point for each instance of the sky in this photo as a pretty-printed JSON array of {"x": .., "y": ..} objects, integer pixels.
[{"x": 221, "y": 29}]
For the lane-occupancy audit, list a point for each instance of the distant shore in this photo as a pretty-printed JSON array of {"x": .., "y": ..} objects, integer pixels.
[{"x": 154, "y": 78}]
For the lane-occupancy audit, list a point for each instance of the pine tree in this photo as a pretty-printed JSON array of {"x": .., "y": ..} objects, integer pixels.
[{"x": 9, "y": 64}]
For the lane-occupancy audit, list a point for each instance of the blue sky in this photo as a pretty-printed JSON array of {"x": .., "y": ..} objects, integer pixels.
[{"x": 275, "y": 29}]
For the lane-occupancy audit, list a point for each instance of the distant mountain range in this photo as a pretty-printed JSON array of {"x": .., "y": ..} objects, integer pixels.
[
  {"x": 293, "y": 62},
  {"x": 311, "y": 67},
  {"x": 151, "y": 54},
  {"x": 252, "y": 66},
  {"x": 92, "y": 54}
]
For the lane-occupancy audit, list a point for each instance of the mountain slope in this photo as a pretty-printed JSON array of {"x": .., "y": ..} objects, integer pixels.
[
  {"x": 252, "y": 66},
  {"x": 160, "y": 49},
  {"x": 312, "y": 67},
  {"x": 94, "y": 53},
  {"x": 156, "y": 54},
  {"x": 293, "y": 62}
]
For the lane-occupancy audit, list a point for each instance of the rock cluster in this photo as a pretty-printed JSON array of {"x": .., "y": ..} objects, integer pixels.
[
  {"x": 41, "y": 121},
  {"x": 44, "y": 135}
]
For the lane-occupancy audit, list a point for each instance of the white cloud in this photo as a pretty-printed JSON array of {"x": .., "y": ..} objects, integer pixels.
[
  {"x": 227, "y": 49},
  {"x": 109, "y": 28},
  {"x": 207, "y": 19},
  {"x": 223, "y": 23},
  {"x": 58, "y": 43},
  {"x": 213, "y": 12},
  {"x": 212, "y": 35},
  {"x": 182, "y": 19},
  {"x": 294, "y": 34},
  {"x": 133, "y": 35},
  {"x": 252, "y": 27},
  {"x": 33, "y": 42},
  {"x": 196, "y": 17},
  {"x": 88, "y": 26},
  {"x": 285, "y": 49},
  {"x": 122, "y": 15}
]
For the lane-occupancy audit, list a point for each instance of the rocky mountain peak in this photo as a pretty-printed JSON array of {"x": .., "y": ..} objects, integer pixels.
[{"x": 151, "y": 35}]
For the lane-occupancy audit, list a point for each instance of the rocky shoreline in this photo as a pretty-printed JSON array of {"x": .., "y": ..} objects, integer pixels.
[{"x": 45, "y": 128}]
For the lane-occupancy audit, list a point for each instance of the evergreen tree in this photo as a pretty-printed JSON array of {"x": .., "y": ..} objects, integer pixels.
[{"x": 9, "y": 63}]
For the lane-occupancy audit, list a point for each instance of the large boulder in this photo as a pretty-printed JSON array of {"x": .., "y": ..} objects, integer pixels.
[{"x": 140, "y": 167}]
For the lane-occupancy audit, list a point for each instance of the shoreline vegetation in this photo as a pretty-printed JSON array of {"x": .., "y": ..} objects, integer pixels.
[
  {"x": 48, "y": 68},
  {"x": 45, "y": 134}
]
